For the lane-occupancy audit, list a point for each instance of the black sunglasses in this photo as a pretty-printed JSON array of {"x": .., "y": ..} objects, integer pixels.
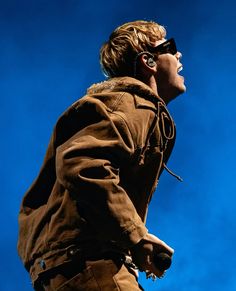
[{"x": 167, "y": 47}]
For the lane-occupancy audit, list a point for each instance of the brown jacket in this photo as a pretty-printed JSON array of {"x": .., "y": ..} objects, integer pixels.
[{"x": 101, "y": 168}]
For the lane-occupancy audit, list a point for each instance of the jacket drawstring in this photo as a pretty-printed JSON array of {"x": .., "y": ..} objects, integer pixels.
[
  {"x": 150, "y": 132},
  {"x": 172, "y": 173}
]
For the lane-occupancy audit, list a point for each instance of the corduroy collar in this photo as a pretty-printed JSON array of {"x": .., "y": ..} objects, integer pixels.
[{"x": 126, "y": 84}]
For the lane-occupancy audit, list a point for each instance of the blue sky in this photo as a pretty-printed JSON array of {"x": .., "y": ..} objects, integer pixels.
[{"x": 49, "y": 56}]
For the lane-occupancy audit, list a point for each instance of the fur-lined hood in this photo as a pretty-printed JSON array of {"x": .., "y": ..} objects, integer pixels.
[{"x": 126, "y": 84}]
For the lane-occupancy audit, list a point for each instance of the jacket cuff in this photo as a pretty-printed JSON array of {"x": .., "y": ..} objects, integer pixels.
[{"x": 133, "y": 234}]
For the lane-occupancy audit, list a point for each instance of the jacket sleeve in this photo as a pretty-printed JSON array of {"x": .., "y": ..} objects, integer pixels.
[{"x": 88, "y": 165}]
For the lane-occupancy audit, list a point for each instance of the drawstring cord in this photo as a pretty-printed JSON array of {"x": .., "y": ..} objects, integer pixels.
[
  {"x": 172, "y": 173},
  {"x": 150, "y": 132},
  {"x": 163, "y": 115}
]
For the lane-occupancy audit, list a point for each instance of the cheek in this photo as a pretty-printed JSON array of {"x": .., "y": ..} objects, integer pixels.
[
  {"x": 167, "y": 72},
  {"x": 167, "y": 67}
]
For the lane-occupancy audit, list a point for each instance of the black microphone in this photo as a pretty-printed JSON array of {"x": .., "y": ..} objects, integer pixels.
[{"x": 162, "y": 261}]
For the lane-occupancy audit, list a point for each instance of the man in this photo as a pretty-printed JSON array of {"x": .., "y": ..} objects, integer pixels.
[{"x": 82, "y": 222}]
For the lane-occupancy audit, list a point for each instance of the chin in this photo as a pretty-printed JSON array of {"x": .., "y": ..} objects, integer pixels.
[
  {"x": 173, "y": 89},
  {"x": 180, "y": 88}
]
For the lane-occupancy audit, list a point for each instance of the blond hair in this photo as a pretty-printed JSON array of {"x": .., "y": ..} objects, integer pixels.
[{"x": 118, "y": 54}]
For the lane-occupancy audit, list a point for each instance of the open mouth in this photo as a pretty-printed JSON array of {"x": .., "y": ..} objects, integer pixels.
[{"x": 180, "y": 68}]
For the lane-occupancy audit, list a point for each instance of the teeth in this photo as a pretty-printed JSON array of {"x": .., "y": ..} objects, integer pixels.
[{"x": 180, "y": 69}]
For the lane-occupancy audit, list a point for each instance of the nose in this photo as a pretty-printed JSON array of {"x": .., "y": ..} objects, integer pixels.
[{"x": 178, "y": 55}]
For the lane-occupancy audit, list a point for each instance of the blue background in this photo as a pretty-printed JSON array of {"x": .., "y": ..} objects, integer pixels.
[{"x": 49, "y": 56}]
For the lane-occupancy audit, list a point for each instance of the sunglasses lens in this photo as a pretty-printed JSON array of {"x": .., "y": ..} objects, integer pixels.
[
  {"x": 173, "y": 48},
  {"x": 167, "y": 47}
]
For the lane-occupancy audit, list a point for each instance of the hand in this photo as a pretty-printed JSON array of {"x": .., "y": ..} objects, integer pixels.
[{"x": 143, "y": 254}]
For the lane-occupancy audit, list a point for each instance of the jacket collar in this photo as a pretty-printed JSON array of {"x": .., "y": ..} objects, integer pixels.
[{"x": 127, "y": 84}]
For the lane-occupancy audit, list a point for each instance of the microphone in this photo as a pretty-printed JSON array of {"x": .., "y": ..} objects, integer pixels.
[{"x": 162, "y": 261}]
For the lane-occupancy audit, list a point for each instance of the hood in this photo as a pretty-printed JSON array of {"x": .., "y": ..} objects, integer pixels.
[{"x": 125, "y": 84}]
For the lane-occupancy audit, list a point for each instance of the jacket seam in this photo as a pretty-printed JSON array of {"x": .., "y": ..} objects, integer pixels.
[
  {"x": 117, "y": 101},
  {"x": 126, "y": 123}
]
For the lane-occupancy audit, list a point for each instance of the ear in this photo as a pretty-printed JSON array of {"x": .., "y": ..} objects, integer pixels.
[{"x": 148, "y": 63}]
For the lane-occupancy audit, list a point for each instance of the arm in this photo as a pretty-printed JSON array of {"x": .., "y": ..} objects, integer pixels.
[{"x": 88, "y": 166}]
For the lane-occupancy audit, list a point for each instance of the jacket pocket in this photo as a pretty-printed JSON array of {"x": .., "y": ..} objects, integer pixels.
[{"x": 82, "y": 282}]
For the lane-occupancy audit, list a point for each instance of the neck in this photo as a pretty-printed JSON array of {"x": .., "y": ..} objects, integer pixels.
[{"x": 151, "y": 82}]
